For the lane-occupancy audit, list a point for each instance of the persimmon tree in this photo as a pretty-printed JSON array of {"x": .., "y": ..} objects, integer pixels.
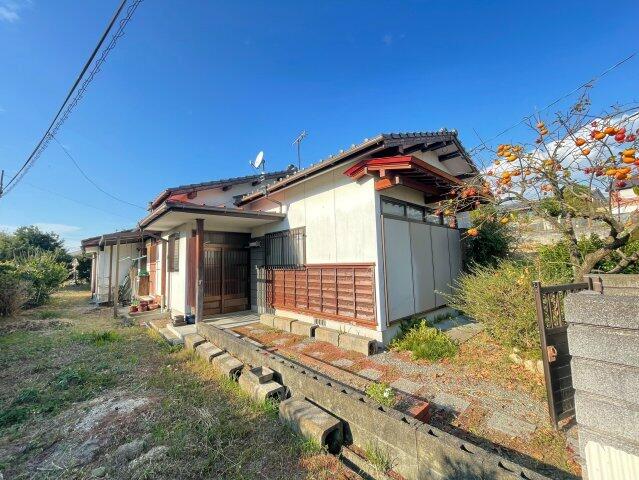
[{"x": 558, "y": 174}]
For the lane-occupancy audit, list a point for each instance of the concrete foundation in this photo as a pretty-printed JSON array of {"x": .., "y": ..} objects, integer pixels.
[
  {"x": 356, "y": 343},
  {"x": 303, "y": 328},
  {"x": 283, "y": 323},
  {"x": 228, "y": 365},
  {"x": 312, "y": 422},
  {"x": 267, "y": 319},
  {"x": 418, "y": 450},
  {"x": 324, "y": 334}
]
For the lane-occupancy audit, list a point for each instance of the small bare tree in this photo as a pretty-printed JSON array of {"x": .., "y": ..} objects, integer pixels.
[{"x": 557, "y": 175}]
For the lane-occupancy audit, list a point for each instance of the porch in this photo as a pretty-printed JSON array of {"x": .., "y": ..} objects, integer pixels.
[{"x": 225, "y": 321}]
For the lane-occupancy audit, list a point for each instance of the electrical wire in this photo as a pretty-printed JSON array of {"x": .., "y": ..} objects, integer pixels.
[
  {"x": 555, "y": 102},
  {"x": 88, "y": 179},
  {"x": 67, "y": 106}
]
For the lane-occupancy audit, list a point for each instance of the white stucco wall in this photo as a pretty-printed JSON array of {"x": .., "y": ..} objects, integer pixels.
[
  {"x": 338, "y": 213},
  {"x": 176, "y": 281},
  {"x": 127, "y": 253}
]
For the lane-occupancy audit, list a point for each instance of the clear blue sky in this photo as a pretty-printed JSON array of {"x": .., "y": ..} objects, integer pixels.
[{"x": 195, "y": 89}]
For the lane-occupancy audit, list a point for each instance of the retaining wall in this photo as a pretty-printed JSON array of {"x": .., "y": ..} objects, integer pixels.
[
  {"x": 603, "y": 339},
  {"x": 417, "y": 450}
]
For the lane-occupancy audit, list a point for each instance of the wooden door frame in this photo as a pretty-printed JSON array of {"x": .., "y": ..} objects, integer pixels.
[{"x": 222, "y": 248}]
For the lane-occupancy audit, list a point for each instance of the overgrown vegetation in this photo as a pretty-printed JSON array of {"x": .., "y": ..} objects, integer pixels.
[
  {"x": 424, "y": 342},
  {"x": 501, "y": 298},
  {"x": 33, "y": 264},
  {"x": 555, "y": 262},
  {"x": 382, "y": 393},
  {"x": 492, "y": 242}
]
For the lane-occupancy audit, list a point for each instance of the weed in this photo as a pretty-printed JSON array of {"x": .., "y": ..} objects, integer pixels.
[
  {"x": 309, "y": 446},
  {"x": 382, "y": 393},
  {"x": 425, "y": 342},
  {"x": 13, "y": 415},
  {"x": 28, "y": 395},
  {"x": 98, "y": 338},
  {"x": 379, "y": 458},
  {"x": 270, "y": 406},
  {"x": 47, "y": 314}
]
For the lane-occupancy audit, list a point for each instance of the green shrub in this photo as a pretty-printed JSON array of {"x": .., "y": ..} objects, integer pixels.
[
  {"x": 98, "y": 338},
  {"x": 492, "y": 244},
  {"x": 500, "y": 297},
  {"x": 555, "y": 263},
  {"x": 44, "y": 273},
  {"x": 425, "y": 342},
  {"x": 14, "y": 291},
  {"x": 382, "y": 393}
]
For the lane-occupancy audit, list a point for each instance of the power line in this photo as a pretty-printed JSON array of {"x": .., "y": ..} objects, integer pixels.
[
  {"x": 555, "y": 102},
  {"x": 89, "y": 179},
  {"x": 67, "y": 106}
]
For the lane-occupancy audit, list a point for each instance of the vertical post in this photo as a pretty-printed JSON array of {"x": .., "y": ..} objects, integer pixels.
[
  {"x": 199, "y": 257},
  {"x": 539, "y": 304},
  {"x": 116, "y": 292},
  {"x": 110, "y": 294}
]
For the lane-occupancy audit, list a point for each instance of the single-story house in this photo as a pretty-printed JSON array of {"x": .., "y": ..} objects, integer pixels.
[{"x": 354, "y": 242}]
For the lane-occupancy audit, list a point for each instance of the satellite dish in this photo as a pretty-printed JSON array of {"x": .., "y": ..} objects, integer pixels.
[{"x": 259, "y": 160}]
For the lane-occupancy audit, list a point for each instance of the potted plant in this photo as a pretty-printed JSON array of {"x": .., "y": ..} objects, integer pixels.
[{"x": 134, "y": 306}]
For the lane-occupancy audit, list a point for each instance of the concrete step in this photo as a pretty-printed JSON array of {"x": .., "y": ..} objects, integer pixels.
[
  {"x": 171, "y": 337},
  {"x": 181, "y": 331}
]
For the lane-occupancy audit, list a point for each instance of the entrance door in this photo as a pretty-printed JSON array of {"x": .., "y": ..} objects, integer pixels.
[{"x": 225, "y": 280}]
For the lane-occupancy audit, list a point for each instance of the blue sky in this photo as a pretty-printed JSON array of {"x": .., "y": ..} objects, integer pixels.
[{"x": 195, "y": 89}]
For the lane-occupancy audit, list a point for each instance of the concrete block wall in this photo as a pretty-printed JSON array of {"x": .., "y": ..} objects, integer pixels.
[{"x": 603, "y": 339}]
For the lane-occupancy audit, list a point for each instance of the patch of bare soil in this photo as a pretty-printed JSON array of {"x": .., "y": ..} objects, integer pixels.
[{"x": 31, "y": 325}]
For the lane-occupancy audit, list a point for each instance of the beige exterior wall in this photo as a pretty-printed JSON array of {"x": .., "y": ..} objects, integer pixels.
[{"x": 128, "y": 251}]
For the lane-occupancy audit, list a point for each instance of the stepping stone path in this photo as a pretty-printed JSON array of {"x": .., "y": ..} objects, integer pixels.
[
  {"x": 451, "y": 403},
  {"x": 370, "y": 373},
  {"x": 406, "y": 386},
  {"x": 343, "y": 362},
  {"x": 509, "y": 425}
]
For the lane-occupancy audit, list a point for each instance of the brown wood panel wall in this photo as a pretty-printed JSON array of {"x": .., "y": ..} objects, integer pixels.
[
  {"x": 344, "y": 292},
  {"x": 191, "y": 269}
]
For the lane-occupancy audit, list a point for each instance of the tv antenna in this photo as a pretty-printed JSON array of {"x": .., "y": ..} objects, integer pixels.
[
  {"x": 298, "y": 140},
  {"x": 258, "y": 163}
]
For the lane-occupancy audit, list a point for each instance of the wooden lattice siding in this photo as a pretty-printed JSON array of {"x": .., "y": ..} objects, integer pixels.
[{"x": 343, "y": 292}]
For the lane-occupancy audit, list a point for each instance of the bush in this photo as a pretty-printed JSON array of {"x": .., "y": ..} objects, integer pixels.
[
  {"x": 555, "y": 263},
  {"x": 44, "y": 273},
  {"x": 425, "y": 341},
  {"x": 500, "y": 297},
  {"x": 492, "y": 244},
  {"x": 14, "y": 292}
]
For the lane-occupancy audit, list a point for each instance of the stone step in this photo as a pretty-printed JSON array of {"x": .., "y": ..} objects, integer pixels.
[
  {"x": 181, "y": 331},
  {"x": 171, "y": 337},
  {"x": 208, "y": 351}
]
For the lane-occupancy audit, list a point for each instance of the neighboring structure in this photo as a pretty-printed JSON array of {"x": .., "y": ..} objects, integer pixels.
[
  {"x": 105, "y": 261},
  {"x": 352, "y": 242},
  {"x": 625, "y": 201}
]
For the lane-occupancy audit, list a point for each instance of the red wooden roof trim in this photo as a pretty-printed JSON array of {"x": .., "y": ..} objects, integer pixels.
[{"x": 404, "y": 162}]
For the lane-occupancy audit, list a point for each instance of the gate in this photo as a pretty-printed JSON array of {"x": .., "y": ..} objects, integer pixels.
[{"x": 549, "y": 302}]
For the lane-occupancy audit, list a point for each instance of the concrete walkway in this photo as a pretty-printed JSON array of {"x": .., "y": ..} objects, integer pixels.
[{"x": 225, "y": 321}]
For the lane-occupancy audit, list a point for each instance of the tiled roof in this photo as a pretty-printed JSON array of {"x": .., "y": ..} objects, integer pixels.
[
  {"x": 222, "y": 182},
  {"x": 383, "y": 138}
]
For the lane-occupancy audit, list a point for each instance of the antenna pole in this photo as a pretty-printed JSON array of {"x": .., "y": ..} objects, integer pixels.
[
  {"x": 298, "y": 141},
  {"x": 1, "y": 181}
]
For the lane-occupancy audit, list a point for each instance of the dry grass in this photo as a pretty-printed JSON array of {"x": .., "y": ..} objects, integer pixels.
[{"x": 54, "y": 379}]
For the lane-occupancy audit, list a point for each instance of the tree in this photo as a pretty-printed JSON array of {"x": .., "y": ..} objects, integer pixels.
[
  {"x": 30, "y": 240},
  {"x": 556, "y": 174}
]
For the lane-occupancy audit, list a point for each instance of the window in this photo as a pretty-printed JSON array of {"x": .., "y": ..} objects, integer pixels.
[
  {"x": 390, "y": 207},
  {"x": 414, "y": 212},
  {"x": 286, "y": 248},
  {"x": 173, "y": 264},
  {"x": 410, "y": 211}
]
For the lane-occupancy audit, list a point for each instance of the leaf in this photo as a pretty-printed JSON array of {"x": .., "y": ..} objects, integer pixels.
[{"x": 635, "y": 190}]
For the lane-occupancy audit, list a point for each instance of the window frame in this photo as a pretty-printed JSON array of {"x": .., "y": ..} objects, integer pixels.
[
  {"x": 426, "y": 212},
  {"x": 290, "y": 238},
  {"x": 173, "y": 261}
]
